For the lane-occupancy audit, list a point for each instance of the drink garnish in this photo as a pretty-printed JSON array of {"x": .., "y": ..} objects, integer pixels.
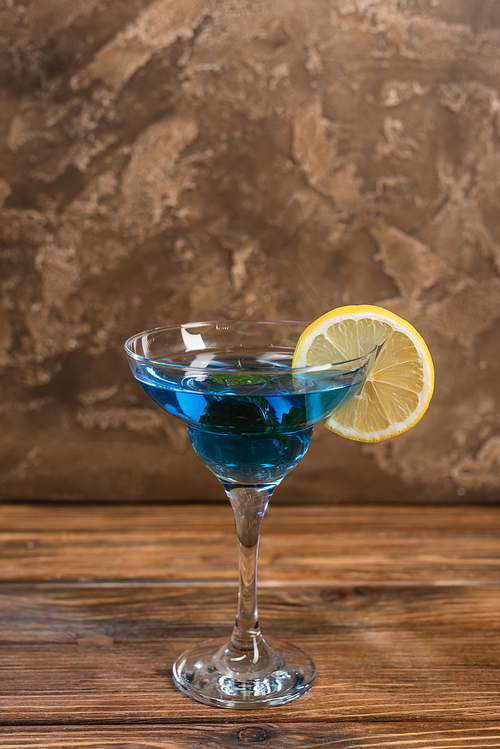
[
  {"x": 399, "y": 387},
  {"x": 243, "y": 415},
  {"x": 235, "y": 380}
]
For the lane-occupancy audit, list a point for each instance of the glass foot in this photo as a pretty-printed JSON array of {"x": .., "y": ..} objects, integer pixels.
[{"x": 218, "y": 674}]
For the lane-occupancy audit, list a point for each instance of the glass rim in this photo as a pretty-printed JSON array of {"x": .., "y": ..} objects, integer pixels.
[{"x": 232, "y": 370}]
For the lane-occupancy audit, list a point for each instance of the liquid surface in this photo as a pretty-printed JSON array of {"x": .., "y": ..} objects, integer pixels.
[{"x": 253, "y": 426}]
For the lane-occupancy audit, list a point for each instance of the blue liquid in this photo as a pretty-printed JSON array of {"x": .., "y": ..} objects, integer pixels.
[{"x": 248, "y": 428}]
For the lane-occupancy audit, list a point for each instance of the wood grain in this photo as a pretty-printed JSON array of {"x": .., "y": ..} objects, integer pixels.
[
  {"x": 399, "y": 606},
  {"x": 74, "y": 614},
  {"x": 197, "y": 542},
  {"x": 86, "y": 654},
  {"x": 345, "y": 735}
]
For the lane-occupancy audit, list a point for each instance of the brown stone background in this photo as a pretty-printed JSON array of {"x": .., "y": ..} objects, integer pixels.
[{"x": 176, "y": 160}]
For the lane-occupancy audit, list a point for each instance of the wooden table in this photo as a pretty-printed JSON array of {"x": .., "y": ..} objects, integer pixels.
[{"x": 399, "y": 607}]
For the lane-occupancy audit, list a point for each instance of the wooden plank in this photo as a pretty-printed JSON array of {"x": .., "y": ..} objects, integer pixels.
[
  {"x": 197, "y": 542},
  {"x": 121, "y": 684},
  {"x": 366, "y": 735},
  {"x": 189, "y": 517},
  {"x": 103, "y": 654},
  {"x": 107, "y": 614}
]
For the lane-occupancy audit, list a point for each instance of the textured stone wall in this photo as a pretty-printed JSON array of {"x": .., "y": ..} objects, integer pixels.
[{"x": 176, "y": 160}]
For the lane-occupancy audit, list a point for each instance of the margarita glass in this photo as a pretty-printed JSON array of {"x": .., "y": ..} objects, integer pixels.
[{"x": 250, "y": 419}]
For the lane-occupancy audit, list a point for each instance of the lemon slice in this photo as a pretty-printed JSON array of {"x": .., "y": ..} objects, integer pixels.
[{"x": 398, "y": 389}]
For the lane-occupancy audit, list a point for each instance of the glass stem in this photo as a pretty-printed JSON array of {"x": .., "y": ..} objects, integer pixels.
[{"x": 249, "y": 506}]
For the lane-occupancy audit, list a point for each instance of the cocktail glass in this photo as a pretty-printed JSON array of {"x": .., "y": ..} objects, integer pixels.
[{"x": 250, "y": 418}]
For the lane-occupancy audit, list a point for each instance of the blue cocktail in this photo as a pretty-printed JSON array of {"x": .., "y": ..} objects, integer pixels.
[{"x": 250, "y": 419}]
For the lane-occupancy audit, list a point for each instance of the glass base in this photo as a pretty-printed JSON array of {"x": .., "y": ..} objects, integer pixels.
[{"x": 269, "y": 673}]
